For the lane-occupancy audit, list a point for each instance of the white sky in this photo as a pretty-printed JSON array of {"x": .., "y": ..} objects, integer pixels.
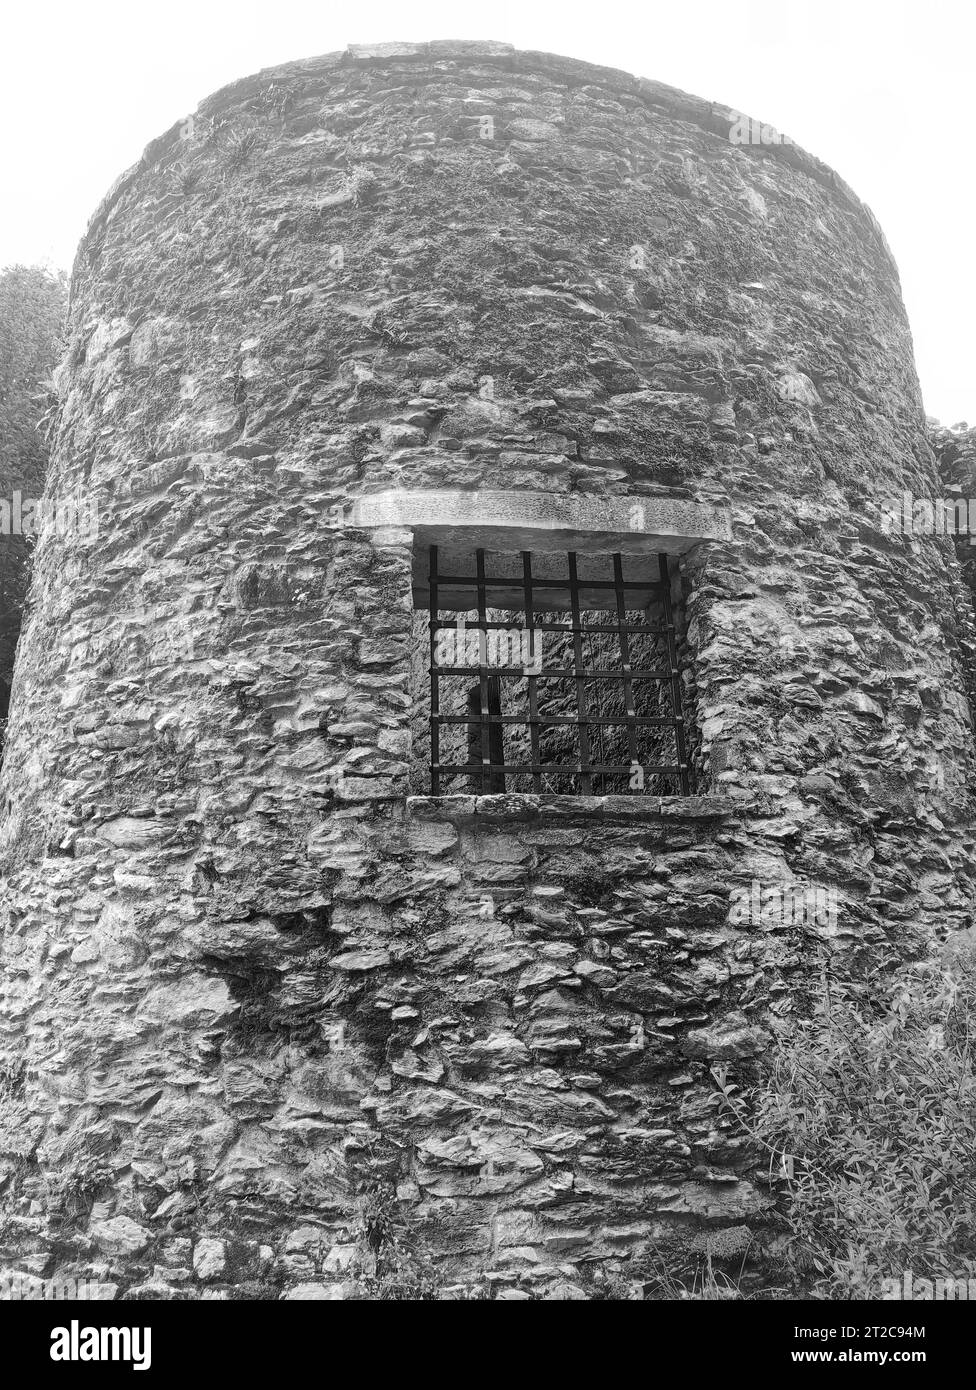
[{"x": 879, "y": 89}]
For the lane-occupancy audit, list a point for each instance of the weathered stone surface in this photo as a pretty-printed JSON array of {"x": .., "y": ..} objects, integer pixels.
[
  {"x": 209, "y": 1259},
  {"x": 120, "y": 1236},
  {"x": 320, "y": 1292},
  {"x": 733, "y": 1038}
]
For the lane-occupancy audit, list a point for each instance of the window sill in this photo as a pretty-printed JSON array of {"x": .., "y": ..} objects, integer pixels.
[{"x": 609, "y": 810}]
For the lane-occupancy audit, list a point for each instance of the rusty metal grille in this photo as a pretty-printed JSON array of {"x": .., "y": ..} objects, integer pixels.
[{"x": 602, "y": 738}]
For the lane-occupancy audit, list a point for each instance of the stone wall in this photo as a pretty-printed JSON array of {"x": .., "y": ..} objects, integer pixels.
[
  {"x": 955, "y": 453},
  {"x": 256, "y": 1006}
]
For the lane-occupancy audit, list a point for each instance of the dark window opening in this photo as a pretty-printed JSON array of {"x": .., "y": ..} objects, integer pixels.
[{"x": 552, "y": 673}]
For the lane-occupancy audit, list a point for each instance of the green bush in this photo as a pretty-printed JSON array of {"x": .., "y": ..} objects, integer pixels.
[
  {"x": 32, "y": 313},
  {"x": 868, "y": 1112}
]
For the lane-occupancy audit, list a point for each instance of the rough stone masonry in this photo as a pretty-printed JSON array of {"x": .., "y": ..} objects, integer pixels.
[{"x": 259, "y": 1007}]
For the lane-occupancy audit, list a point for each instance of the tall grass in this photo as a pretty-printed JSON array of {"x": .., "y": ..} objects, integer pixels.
[{"x": 868, "y": 1113}]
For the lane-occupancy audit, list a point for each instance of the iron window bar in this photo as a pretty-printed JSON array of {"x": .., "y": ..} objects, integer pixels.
[
  {"x": 531, "y": 678},
  {"x": 609, "y": 628},
  {"x": 485, "y": 721},
  {"x": 567, "y": 768},
  {"x": 510, "y": 582},
  {"x": 648, "y": 721},
  {"x": 585, "y": 775}
]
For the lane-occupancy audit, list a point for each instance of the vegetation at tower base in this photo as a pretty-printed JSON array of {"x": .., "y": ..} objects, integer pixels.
[
  {"x": 867, "y": 1111},
  {"x": 268, "y": 1027},
  {"x": 32, "y": 311}
]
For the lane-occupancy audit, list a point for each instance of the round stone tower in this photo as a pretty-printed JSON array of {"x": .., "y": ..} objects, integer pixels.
[{"x": 267, "y": 994}]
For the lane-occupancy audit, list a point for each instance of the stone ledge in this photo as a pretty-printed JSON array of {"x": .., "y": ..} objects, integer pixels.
[
  {"x": 534, "y": 520},
  {"x": 609, "y": 810}
]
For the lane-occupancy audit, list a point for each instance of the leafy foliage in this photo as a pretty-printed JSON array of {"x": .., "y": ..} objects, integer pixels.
[
  {"x": 405, "y": 1269},
  {"x": 32, "y": 312},
  {"x": 870, "y": 1107},
  {"x": 32, "y": 309}
]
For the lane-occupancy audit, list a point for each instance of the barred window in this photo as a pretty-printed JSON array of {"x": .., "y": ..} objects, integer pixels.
[{"x": 551, "y": 672}]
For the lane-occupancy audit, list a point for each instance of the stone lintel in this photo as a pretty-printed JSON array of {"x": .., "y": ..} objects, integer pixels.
[{"x": 540, "y": 521}]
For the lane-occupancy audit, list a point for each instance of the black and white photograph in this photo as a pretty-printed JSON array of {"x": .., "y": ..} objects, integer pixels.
[{"x": 487, "y": 678}]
